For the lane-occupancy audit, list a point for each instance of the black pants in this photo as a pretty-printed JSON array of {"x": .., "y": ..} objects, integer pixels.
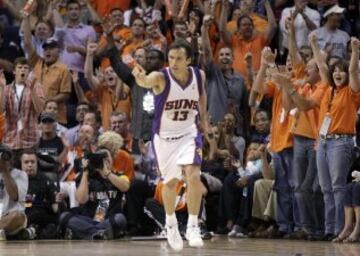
[
  {"x": 138, "y": 193},
  {"x": 40, "y": 216},
  {"x": 234, "y": 205}
]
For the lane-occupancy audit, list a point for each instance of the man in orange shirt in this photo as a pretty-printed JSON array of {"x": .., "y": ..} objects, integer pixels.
[
  {"x": 281, "y": 145},
  {"x": 306, "y": 100},
  {"x": 247, "y": 7},
  {"x": 54, "y": 76},
  {"x": 247, "y": 39},
  {"x": 109, "y": 90},
  {"x": 116, "y": 19}
]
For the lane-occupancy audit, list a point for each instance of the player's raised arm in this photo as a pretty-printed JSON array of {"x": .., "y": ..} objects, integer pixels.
[{"x": 154, "y": 80}]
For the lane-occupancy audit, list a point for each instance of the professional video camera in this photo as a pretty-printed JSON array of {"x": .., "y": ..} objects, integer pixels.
[
  {"x": 96, "y": 160},
  {"x": 5, "y": 153}
]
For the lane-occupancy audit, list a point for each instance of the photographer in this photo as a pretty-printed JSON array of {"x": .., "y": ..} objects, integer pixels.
[
  {"x": 42, "y": 200},
  {"x": 99, "y": 192},
  {"x": 13, "y": 187}
]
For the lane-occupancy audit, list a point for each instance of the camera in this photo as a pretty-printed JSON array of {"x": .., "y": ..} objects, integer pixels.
[
  {"x": 5, "y": 153},
  {"x": 96, "y": 160}
]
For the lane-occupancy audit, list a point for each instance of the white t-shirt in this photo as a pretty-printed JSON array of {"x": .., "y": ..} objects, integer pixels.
[
  {"x": 301, "y": 30},
  {"x": 21, "y": 180},
  {"x": 19, "y": 88},
  {"x": 338, "y": 39}
]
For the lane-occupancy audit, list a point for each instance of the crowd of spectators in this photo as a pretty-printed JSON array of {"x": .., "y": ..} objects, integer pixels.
[{"x": 283, "y": 88}]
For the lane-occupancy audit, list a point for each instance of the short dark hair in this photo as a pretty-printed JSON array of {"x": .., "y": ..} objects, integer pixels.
[
  {"x": 182, "y": 43},
  {"x": 72, "y": 2},
  {"x": 118, "y": 113},
  {"x": 21, "y": 61},
  {"x": 28, "y": 151},
  {"x": 159, "y": 53}
]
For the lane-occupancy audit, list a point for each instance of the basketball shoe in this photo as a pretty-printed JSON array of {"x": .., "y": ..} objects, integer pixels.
[
  {"x": 193, "y": 235},
  {"x": 174, "y": 238}
]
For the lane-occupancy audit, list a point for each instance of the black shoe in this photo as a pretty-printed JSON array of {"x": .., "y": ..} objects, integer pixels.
[
  {"x": 205, "y": 234},
  {"x": 297, "y": 235},
  {"x": 27, "y": 233}
]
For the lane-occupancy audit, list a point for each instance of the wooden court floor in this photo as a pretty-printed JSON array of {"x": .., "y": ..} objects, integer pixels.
[{"x": 217, "y": 247}]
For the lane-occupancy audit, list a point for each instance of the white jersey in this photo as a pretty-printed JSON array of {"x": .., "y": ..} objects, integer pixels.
[{"x": 177, "y": 107}]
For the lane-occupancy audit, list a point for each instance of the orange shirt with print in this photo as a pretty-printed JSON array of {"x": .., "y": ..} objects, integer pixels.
[
  {"x": 2, "y": 126},
  {"x": 241, "y": 47},
  {"x": 181, "y": 206},
  {"x": 343, "y": 110},
  {"x": 103, "y": 7},
  {"x": 281, "y": 123},
  {"x": 260, "y": 24},
  {"x": 306, "y": 123},
  {"x": 124, "y": 164}
]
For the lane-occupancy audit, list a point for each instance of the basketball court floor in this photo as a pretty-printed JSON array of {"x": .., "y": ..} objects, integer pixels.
[{"x": 218, "y": 246}]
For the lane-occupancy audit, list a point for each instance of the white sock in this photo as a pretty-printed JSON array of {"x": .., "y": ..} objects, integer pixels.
[
  {"x": 193, "y": 220},
  {"x": 171, "y": 220}
]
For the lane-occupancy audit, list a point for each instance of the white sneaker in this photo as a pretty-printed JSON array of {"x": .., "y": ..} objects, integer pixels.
[
  {"x": 174, "y": 238},
  {"x": 2, "y": 235},
  {"x": 193, "y": 236}
]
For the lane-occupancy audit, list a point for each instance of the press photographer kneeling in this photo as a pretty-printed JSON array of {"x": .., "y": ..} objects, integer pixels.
[
  {"x": 13, "y": 187},
  {"x": 100, "y": 195}
]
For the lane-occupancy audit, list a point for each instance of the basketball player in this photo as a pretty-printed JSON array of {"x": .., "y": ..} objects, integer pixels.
[{"x": 180, "y": 99}]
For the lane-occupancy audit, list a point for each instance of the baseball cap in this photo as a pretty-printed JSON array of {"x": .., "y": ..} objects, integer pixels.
[
  {"x": 51, "y": 42},
  {"x": 335, "y": 9},
  {"x": 45, "y": 116}
]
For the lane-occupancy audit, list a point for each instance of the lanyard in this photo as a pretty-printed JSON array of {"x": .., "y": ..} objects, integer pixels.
[{"x": 332, "y": 96}]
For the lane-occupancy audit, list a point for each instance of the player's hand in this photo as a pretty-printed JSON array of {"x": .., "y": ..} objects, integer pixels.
[{"x": 138, "y": 71}]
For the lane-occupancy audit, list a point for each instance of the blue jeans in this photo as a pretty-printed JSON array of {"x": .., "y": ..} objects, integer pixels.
[
  {"x": 284, "y": 187},
  {"x": 84, "y": 227},
  {"x": 334, "y": 159},
  {"x": 305, "y": 184}
]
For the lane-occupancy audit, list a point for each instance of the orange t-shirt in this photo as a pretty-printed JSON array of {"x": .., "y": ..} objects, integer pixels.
[
  {"x": 108, "y": 103},
  {"x": 306, "y": 123},
  {"x": 124, "y": 163},
  {"x": 241, "y": 47},
  {"x": 342, "y": 110},
  {"x": 281, "y": 123},
  {"x": 103, "y": 7},
  {"x": 181, "y": 199},
  {"x": 260, "y": 24}
]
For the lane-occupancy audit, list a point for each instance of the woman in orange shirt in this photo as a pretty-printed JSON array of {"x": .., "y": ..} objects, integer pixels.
[{"x": 336, "y": 131}]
